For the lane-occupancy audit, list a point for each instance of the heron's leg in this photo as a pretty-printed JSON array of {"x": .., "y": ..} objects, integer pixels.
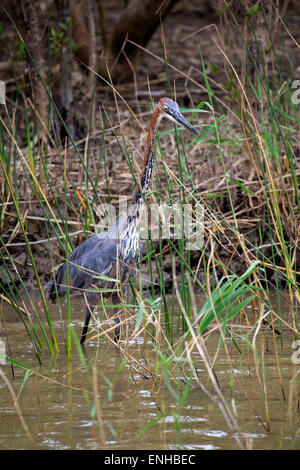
[
  {"x": 117, "y": 330},
  {"x": 91, "y": 301},
  {"x": 116, "y": 301},
  {"x": 86, "y": 323}
]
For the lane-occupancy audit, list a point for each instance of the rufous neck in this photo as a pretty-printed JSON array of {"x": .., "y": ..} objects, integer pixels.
[{"x": 146, "y": 173}]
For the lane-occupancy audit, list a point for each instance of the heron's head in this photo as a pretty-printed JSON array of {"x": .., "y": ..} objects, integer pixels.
[{"x": 170, "y": 110}]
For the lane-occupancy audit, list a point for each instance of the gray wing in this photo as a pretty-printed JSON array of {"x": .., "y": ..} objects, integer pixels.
[{"x": 95, "y": 255}]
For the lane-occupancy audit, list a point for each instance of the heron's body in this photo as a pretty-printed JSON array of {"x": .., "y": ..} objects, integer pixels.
[
  {"x": 111, "y": 254},
  {"x": 96, "y": 255},
  {"x": 114, "y": 252}
]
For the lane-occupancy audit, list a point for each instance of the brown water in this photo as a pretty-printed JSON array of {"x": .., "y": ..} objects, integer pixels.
[{"x": 57, "y": 403}]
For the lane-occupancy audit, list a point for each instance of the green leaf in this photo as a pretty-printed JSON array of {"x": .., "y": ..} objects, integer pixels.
[
  {"x": 226, "y": 299},
  {"x": 253, "y": 10},
  {"x": 152, "y": 423},
  {"x": 16, "y": 363},
  {"x": 102, "y": 290},
  {"x": 106, "y": 278},
  {"x": 237, "y": 182},
  {"x": 139, "y": 316}
]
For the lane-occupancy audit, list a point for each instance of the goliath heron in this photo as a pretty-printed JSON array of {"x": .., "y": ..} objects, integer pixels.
[{"x": 113, "y": 252}]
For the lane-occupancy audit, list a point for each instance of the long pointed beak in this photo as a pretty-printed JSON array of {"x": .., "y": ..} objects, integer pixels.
[{"x": 184, "y": 122}]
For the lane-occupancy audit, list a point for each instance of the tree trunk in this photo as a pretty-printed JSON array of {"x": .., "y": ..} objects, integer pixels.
[
  {"x": 137, "y": 22},
  {"x": 33, "y": 39},
  {"x": 79, "y": 30},
  {"x": 66, "y": 94}
]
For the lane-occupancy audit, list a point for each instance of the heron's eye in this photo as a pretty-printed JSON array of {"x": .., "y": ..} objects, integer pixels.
[{"x": 165, "y": 107}]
